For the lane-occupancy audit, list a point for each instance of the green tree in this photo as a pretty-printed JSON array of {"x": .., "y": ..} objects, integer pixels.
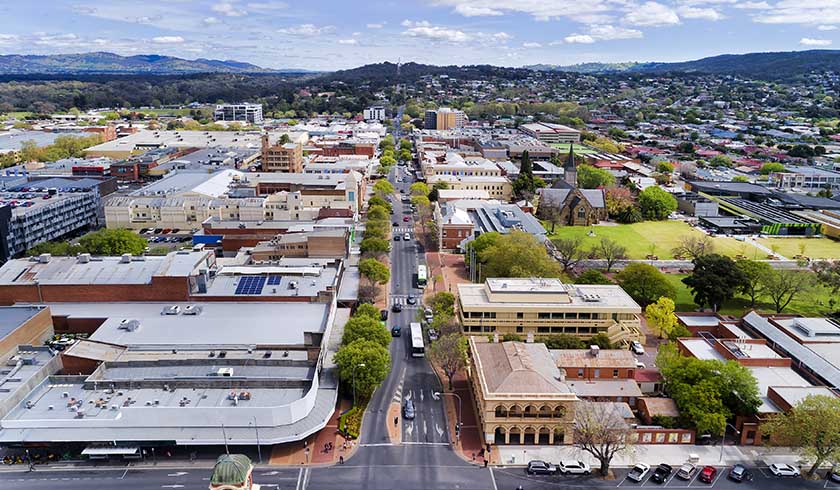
[
  {"x": 782, "y": 286},
  {"x": 771, "y": 167},
  {"x": 387, "y": 143},
  {"x": 419, "y": 189},
  {"x": 365, "y": 327},
  {"x": 601, "y": 431},
  {"x": 113, "y": 242},
  {"x": 387, "y": 161},
  {"x": 368, "y": 310},
  {"x": 754, "y": 272},
  {"x": 590, "y": 177},
  {"x": 376, "y": 229},
  {"x": 404, "y": 155},
  {"x": 563, "y": 341},
  {"x": 740, "y": 179},
  {"x": 375, "y": 358},
  {"x": 378, "y": 201},
  {"x": 449, "y": 353},
  {"x": 660, "y": 317},
  {"x": 813, "y": 427},
  {"x": 644, "y": 283},
  {"x": 602, "y": 340},
  {"x": 611, "y": 251},
  {"x": 593, "y": 276},
  {"x": 442, "y": 303},
  {"x": 377, "y": 213},
  {"x": 656, "y": 203},
  {"x": 383, "y": 188},
  {"x": 525, "y": 184},
  {"x": 374, "y": 271},
  {"x": 714, "y": 280},
  {"x": 58, "y": 249},
  {"x": 665, "y": 167},
  {"x": 375, "y": 246},
  {"x": 720, "y": 161},
  {"x": 518, "y": 254},
  {"x": 828, "y": 273}
]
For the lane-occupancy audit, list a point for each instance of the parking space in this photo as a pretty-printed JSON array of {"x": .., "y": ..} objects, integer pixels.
[{"x": 674, "y": 482}]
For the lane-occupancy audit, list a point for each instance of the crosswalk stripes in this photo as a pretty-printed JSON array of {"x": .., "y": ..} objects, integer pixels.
[
  {"x": 401, "y": 229},
  {"x": 401, "y": 300}
]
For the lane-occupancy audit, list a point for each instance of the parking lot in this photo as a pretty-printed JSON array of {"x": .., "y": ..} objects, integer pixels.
[
  {"x": 166, "y": 237},
  {"x": 674, "y": 482}
]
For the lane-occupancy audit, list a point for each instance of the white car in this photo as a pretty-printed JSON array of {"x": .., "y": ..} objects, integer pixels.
[
  {"x": 640, "y": 364},
  {"x": 407, "y": 236},
  {"x": 574, "y": 468},
  {"x": 639, "y": 472},
  {"x": 783, "y": 470},
  {"x": 637, "y": 348}
]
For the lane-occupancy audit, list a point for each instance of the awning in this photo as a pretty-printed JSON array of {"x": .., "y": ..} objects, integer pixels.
[{"x": 111, "y": 451}]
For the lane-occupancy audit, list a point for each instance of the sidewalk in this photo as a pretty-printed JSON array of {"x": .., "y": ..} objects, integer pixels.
[
  {"x": 469, "y": 445},
  {"x": 652, "y": 454},
  {"x": 313, "y": 451}
]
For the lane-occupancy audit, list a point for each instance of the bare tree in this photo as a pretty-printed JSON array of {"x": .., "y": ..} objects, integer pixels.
[
  {"x": 611, "y": 251},
  {"x": 601, "y": 431},
  {"x": 570, "y": 251},
  {"x": 552, "y": 214},
  {"x": 782, "y": 286},
  {"x": 694, "y": 245}
]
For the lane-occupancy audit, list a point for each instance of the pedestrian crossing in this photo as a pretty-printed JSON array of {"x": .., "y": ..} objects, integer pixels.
[
  {"x": 403, "y": 301},
  {"x": 403, "y": 229}
]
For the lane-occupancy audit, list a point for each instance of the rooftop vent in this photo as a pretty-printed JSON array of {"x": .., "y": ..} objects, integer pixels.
[
  {"x": 129, "y": 325},
  {"x": 171, "y": 310},
  {"x": 44, "y": 258},
  {"x": 192, "y": 310},
  {"x": 84, "y": 258},
  {"x": 125, "y": 259},
  {"x": 594, "y": 350}
]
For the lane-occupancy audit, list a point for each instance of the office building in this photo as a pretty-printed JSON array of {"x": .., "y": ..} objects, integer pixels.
[
  {"x": 461, "y": 221},
  {"x": 444, "y": 118},
  {"x": 538, "y": 307},
  {"x": 248, "y": 113},
  {"x": 806, "y": 179},
  {"x": 551, "y": 133},
  {"x": 374, "y": 113},
  {"x": 281, "y": 157},
  {"x": 146, "y": 139}
]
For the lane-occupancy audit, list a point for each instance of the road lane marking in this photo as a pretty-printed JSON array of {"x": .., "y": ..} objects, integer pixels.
[
  {"x": 493, "y": 478},
  {"x": 300, "y": 474}
]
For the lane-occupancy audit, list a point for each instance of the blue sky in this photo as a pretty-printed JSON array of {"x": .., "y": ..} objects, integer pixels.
[{"x": 332, "y": 34}]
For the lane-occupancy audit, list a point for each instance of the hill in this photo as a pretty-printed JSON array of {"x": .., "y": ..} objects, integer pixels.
[{"x": 112, "y": 64}]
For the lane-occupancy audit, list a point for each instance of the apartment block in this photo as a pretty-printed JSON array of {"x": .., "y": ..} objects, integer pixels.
[
  {"x": 248, "y": 113},
  {"x": 281, "y": 157},
  {"x": 374, "y": 113},
  {"x": 444, "y": 118}
]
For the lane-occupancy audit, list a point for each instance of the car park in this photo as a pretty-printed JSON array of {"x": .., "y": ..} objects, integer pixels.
[
  {"x": 707, "y": 474},
  {"x": 637, "y": 348},
  {"x": 740, "y": 473},
  {"x": 408, "y": 410},
  {"x": 686, "y": 471},
  {"x": 639, "y": 472},
  {"x": 538, "y": 467},
  {"x": 783, "y": 470},
  {"x": 574, "y": 468},
  {"x": 661, "y": 473}
]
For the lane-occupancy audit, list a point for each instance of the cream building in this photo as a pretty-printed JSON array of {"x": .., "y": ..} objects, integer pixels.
[
  {"x": 535, "y": 307},
  {"x": 496, "y": 186},
  {"x": 521, "y": 395}
]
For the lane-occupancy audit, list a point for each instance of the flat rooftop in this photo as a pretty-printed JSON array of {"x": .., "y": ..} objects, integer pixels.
[
  {"x": 272, "y": 323},
  {"x": 586, "y": 388},
  {"x": 701, "y": 349},
  {"x": 606, "y": 358},
  {"x": 100, "y": 270},
  {"x": 191, "y": 182},
  {"x": 808, "y": 330},
  {"x": 707, "y": 321},
  {"x": 581, "y": 298},
  {"x": 271, "y": 281},
  {"x": 146, "y": 138},
  {"x": 12, "y": 317},
  {"x": 15, "y": 375},
  {"x": 774, "y": 376}
]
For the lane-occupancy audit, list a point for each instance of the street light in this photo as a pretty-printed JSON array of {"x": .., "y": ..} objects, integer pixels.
[
  {"x": 723, "y": 438},
  {"x": 458, "y": 425},
  {"x": 354, "y": 381}
]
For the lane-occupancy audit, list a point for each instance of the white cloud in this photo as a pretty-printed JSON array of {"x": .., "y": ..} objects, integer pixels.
[
  {"x": 437, "y": 33},
  {"x": 826, "y": 28},
  {"x": 531, "y": 45},
  {"x": 700, "y": 13},
  {"x": 168, "y": 40},
  {"x": 375, "y": 26},
  {"x": 268, "y": 5},
  {"x": 306, "y": 30},
  {"x": 476, "y": 11},
  {"x": 807, "y": 41},
  {"x": 801, "y": 12},
  {"x": 228, "y": 9},
  {"x": 579, "y": 39},
  {"x": 752, "y": 5},
  {"x": 652, "y": 14},
  {"x": 348, "y": 41},
  {"x": 211, "y": 20}
]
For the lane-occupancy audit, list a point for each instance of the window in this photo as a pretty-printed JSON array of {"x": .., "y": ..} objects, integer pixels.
[
  {"x": 584, "y": 316},
  {"x": 543, "y": 330},
  {"x": 520, "y": 315},
  {"x": 580, "y": 372},
  {"x": 597, "y": 373},
  {"x": 543, "y": 316},
  {"x": 615, "y": 373},
  {"x": 519, "y": 329},
  {"x": 581, "y": 213}
]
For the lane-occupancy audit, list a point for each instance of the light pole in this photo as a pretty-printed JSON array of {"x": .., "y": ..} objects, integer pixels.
[
  {"x": 257, "y": 432},
  {"x": 723, "y": 438},
  {"x": 354, "y": 381},
  {"x": 458, "y": 424}
]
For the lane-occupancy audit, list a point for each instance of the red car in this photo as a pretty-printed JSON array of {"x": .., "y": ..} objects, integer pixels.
[
  {"x": 707, "y": 475},
  {"x": 405, "y": 218}
]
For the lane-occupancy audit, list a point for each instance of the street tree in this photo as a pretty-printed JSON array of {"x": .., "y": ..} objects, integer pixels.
[
  {"x": 383, "y": 188},
  {"x": 442, "y": 302},
  {"x": 404, "y": 155},
  {"x": 660, "y": 317},
  {"x": 714, "y": 280},
  {"x": 370, "y": 360},
  {"x": 365, "y": 327},
  {"x": 449, "y": 353},
  {"x": 590, "y": 177},
  {"x": 601, "y": 431},
  {"x": 645, "y": 283},
  {"x": 656, "y": 203},
  {"x": 419, "y": 189},
  {"x": 368, "y": 310},
  {"x": 570, "y": 251},
  {"x": 376, "y": 229},
  {"x": 592, "y": 276},
  {"x": 694, "y": 245},
  {"x": 611, "y": 251},
  {"x": 783, "y": 286},
  {"x": 374, "y": 271},
  {"x": 375, "y": 247},
  {"x": 813, "y": 427},
  {"x": 754, "y": 273},
  {"x": 375, "y": 213},
  {"x": 378, "y": 201},
  {"x": 518, "y": 254}
]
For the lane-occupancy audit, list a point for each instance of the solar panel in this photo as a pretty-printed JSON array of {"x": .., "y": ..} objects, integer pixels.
[
  {"x": 274, "y": 280},
  {"x": 250, "y": 285}
]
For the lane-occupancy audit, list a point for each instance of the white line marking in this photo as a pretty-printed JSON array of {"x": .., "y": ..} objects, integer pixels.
[
  {"x": 300, "y": 474},
  {"x": 493, "y": 478}
]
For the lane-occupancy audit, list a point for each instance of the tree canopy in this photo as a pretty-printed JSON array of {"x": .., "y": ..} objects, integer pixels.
[
  {"x": 113, "y": 242},
  {"x": 645, "y": 283},
  {"x": 660, "y": 316},
  {"x": 813, "y": 427},
  {"x": 365, "y": 327},
  {"x": 374, "y": 271},
  {"x": 518, "y": 254},
  {"x": 590, "y": 177},
  {"x": 376, "y": 360},
  {"x": 714, "y": 280},
  {"x": 656, "y": 203}
]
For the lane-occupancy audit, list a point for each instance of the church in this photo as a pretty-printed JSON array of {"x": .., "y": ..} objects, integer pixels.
[{"x": 570, "y": 205}]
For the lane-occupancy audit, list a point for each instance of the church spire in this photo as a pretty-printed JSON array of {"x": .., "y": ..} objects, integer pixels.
[
  {"x": 570, "y": 160},
  {"x": 570, "y": 168}
]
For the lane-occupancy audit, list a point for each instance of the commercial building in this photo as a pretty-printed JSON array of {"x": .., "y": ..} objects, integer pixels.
[
  {"x": 147, "y": 139},
  {"x": 444, "y": 118},
  {"x": 806, "y": 179},
  {"x": 234, "y": 234},
  {"x": 520, "y": 394},
  {"x": 316, "y": 243},
  {"x": 600, "y": 374},
  {"x": 281, "y": 157},
  {"x": 374, "y": 113},
  {"x": 22, "y": 325},
  {"x": 208, "y": 160},
  {"x": 551, "y": 133},
  {"x": 249, "y": 113},
  {"x": 497, "y": 187},
  {"x": 540, "y": 307},
  {"x": 461, "y": 221}
]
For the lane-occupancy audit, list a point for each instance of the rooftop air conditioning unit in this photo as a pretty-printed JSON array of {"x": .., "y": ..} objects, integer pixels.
[
  {"x": 171, "y": 310},
  {"x": 192, "y": 310},
  {"x": 125, "y": 259},
  {"x": 84, "y": 258},
  {"x": 594, "y": 350},
  {"x": 129, "y": 325},
  {"x": 44, "y": 258}
]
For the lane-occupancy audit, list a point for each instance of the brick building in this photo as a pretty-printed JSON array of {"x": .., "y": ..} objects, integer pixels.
[{"x": 281, "y": 157}]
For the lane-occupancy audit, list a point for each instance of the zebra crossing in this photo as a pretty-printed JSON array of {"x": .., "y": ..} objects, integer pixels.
[
  {"x": 403, "y": 301},
  {"x": 403, "y": 229}
]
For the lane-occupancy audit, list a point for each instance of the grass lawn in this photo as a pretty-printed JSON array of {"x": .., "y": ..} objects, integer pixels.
[
  {"x": 813, "y": 304},
  {"x": 815, "y": 248},
  {"x": 638, "y": 238}
]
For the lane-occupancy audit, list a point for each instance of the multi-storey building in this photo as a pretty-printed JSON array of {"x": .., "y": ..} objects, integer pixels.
[
  {"x": 540, "y": 307},
  {"x": 444, "y": 118},
  {"x": 374, "y": 113},
  {"x": 281, "y": 157},
  {"x": 551, "y": 133},
  {"x": 250, "y": 113},
  {"x": 808, "y": 179}
]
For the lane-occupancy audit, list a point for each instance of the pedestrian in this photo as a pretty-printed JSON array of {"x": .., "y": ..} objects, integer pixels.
[
  {"x": 473, "y": 454},
  {"x": 341, "y": 460},
  {"x": 485, "y": 463}
]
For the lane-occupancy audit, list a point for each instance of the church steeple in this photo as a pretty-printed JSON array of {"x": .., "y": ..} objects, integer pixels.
[{"x": 570, "y": 168}]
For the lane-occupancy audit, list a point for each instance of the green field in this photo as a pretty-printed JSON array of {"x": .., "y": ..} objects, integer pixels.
[
  {"x": 815, "y": 248},
  {"x": 812, "y": 304},
  {"x": 659, "y": 237}
]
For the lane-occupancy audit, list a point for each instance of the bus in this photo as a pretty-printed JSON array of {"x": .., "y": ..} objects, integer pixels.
[
  {"x": 421, "y": 276},
  {"x": 417, "y": 347}
]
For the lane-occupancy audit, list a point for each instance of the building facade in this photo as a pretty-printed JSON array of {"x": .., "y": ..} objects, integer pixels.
[
  {"x": 444, "y": 118},
  {"x": 281, "y": 157},
  {"x": 374, "y": 113},
  {"x": 249, "y": 113}
]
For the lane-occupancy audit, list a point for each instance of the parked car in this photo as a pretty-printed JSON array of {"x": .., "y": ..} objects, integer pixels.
[
  {"x": 383, "y": 315},
  {"x": 835, "y": 475},
  {"x": 783, "y": 470},
  {"x": 405, "y": 219},
  {"x": 433, "y": 335},
  {"x": 639, "y": 472},
  {"x": 396, "y": 331},
  {"x": 637, "y": 348},
  {"x": 574, "y": 468},
  {"x": 396, "y": 238},
  {"x": 740, "y": 473},
  {"x": 541, "y": 468},
  {"x": 686, "y": 471},
  {"x": 395, "y": 224},
  {"x": 708, "y": 474},
  {"x": 407, "y": 236},
  {"x": 428, "y": 315},
  {"x": 661, "y": 473},
  {"x": 408, "y": 410},
  {"x": 640, "y": 364}
]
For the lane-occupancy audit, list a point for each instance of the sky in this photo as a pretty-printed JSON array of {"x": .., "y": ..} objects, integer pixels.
[{"x": 337, "y": 34}]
